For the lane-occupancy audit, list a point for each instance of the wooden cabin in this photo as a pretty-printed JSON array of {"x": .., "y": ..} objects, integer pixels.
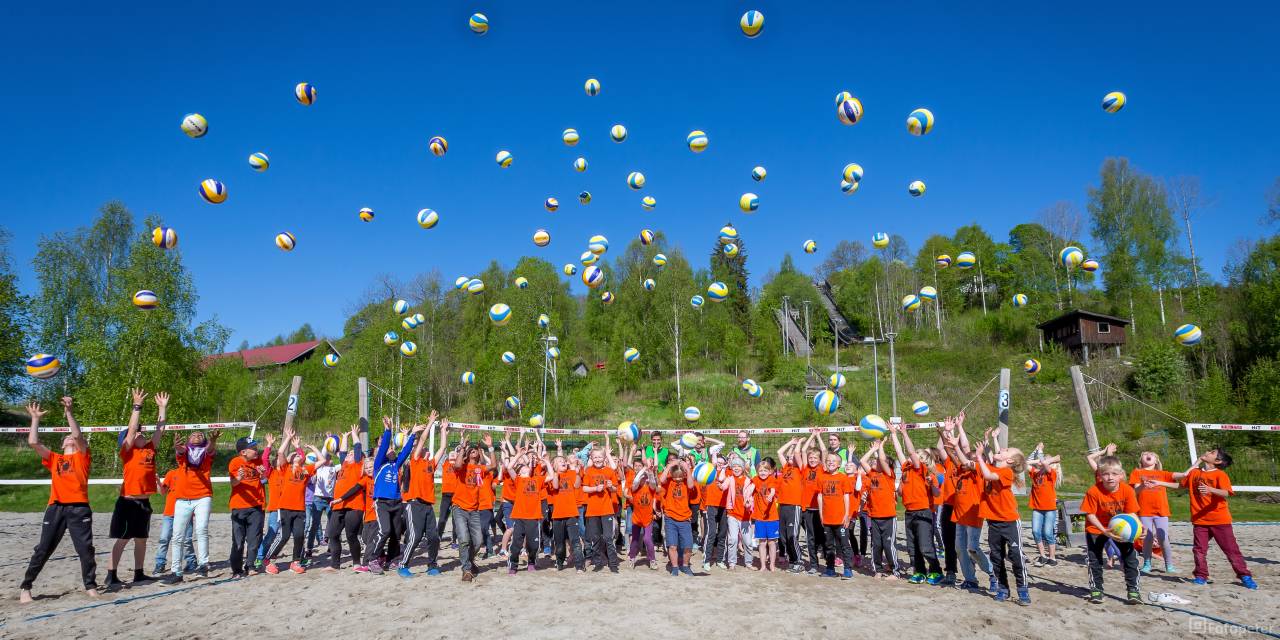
[{"x": 1084, "y": 333}]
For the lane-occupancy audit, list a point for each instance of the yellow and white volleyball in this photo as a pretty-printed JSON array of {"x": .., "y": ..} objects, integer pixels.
[
  {"x": 717, "y": 291},
  {"x": 331, "y": 442},
  {"x": 842, "y": 96},
  {"x": 692, "y": 414},
  {"x": 749, "y": 202},
  {"x": 43, "y": 366},
  {"x": 1031, "y": 367},
  {"x": 873, "y": 427},
  {"x": 966, "y": 260},
  {"x": 508, "y": 357},
  {"x": 696, "y": 302},
  {"x": 305, "y": 93},
  {"x": 194, "y": 125},
  {"x": 428, "y": 218},
  {"x": 758, "y": 174},
  {"x": 910, "y": 302},
  {"x": 164, "y": 237},
  {"x": 1128, "y": 526},
  {"x": 1071, "y": 257},
  {"x": 1187, "y": 335},
  {"x": 928, "y": 293},
  {"x": 826, "y": 402},
  {"x": 390, "y": 338},
  {"x": 837, "y": 381},
  {"x": 479, "y": 23},
  {"x": 512, "y": 402},
  {"x": 916, "y": 188},
  {"x": 1089, "y": 265},
  {"x": 286, "y": 241},
  {"x": 551, "y": 204},
  {"x": 366, "y": 214},
  {"x": 438, "y": 145},
  {"x": 570, "y": 137},
  {"x": 146, "y": 299},
  {"x": 570, "y": 269},
  {"x": 920, "y": 408},
  {"x": 635, "y": 180},
  {"x": 649, "y": 284},
  {"x": 607, "y": 297},
  {"x": 731, "y": 250},
  {"x": 660, "y": 259},
  {"x": 631, "y": 354},
  {"x": 849, "y": 111},
  {"x": 704, "y": 473},
  {"x": 331, "y": 360},
  {"x": 618, "y": 133},
  {"x": 544, "y": 320},
  {"x": 591, "y": 86},
  {"x": 748, "y": 385},
  {"x": 536, "y": 420},
  {"x": 580, "y": 165},
  {"x": 408, "y": 349},
  {"x": 259, "y": 161},
  {"x": 809, "y": 246},
  {"x": 419, "y": 318},
  {"x": 880, "y": 240},
  {"x": 697, "y": 141},
  {"x": 628, "y": 431},
  {"x": 728, "y": 234},
  {"x": 475, "y": 286},
  {"x": 400, "y": 439},
  {"x": 688, "y": 441},
  {"x": 587, "y": 258},
  {"x": 468, "y": 378},
  {"x": 593, "y": 276},
  {"x": 1019, "y": 299},
  {"x": 553, "y": 353},
  {"x": 756, "y": 392},
  {"x": 942, "y": 261},
  {"x": 409, "y": 324},
  {"x": 1113, "y": 102},
  {"x": 646, "y": 237},
  {"x": 920, "y": 122},
  {"x": 852, "y": 172},
  {"x": 503, "y": 159},
  {"x": 212, "y": 191},
  {"x": 461, "y": 282},
  {"x": 584, "y": 197},
  {"x": 521, "y": 282},
  {"x": 541, "y": 237},
  {"x": 751, "y": 23},
  {"x": 847, "y": 187},
  {"x": 598, "y": 244},
  {"x": 401, "y": 307},
  {"x": 648, "y": 203}
]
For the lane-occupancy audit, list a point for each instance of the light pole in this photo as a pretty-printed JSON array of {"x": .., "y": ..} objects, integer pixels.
[
  {"x": 807, "y": 336},
  {"x": 547, "y": 342},
  {"x": 893, "y": 373},
  {"x": 875, "y": 367},
  {"x": 786, "y": 323}
]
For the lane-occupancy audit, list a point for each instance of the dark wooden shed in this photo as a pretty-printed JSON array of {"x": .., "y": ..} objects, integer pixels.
[{"x": 1084, "y": 333}]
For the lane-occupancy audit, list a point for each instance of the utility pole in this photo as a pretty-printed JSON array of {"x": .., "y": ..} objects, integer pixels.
[
  {"x": 1002, "y": 411},
  {"x": 1086, "y": 413},
  {"x": 875, "y": 368},
  {"x": 362, "y": 388},
  {"x": 786, "y": 324},
  {"x": 808, "y": 335},
  {"x": 982, "y": 289},
  {"x": 893, "y": 373}
]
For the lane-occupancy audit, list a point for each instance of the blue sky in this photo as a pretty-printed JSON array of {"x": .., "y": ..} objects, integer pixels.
[{"x": 95, "y": 101}]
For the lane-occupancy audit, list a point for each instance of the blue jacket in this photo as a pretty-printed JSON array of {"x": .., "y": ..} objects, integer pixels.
[{"x": 386, "y": 473}]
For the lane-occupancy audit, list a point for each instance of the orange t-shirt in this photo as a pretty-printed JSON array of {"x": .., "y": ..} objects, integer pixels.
[
  {"x": 1153, "y": 501},
  {"x": 139, "y": 470},
  {"x": 810, "y": 490},
  {"x": 713, "y": 495},
  {"x": 448, "y": 480},
  {"x": 968, "y": 494},
  {"x": 526, "y": 495},
  {"x": 348, "y": 476},
  {"x": 564, "y": 501},
  {"x": 915, "y": 487},
  {"x": 422, "y": 481},
  {"x": 834, "y": 487},
  {"x": 247, "y": 493},
  {"x": 508, "y": 487},
  {"x": 1044, "y": 495},
  {"x": 171, "y": 479},
  {"x": 274, "y": 483},
  {"x": 695, "y": 497},
  {"x": 1105, "y": 505},
  {"x": 791, "y": 485},
  {"x": 370, "y": 505},
  {"x": 642, "y": 505},
  {"x": 998, "y": 503},
  {"x": 1208, "y": 510},
  {"x": 882, "y": 500},
  {"x": 765, "y": 509},
  {"x": 600, "y": 503},
  {"x": 540, "y": 471},
  {"x": 196, "y": 483},
  {"x": 466, "y": 486},
  {"x": 486, "y": 493},
  {"x": 293, "y": 487},
  {"x": 675, "y": 500},
  {"x": 947, "y": 492},
  {"x": 739, "y": 508},
  {"x": 70, "y": 477}
]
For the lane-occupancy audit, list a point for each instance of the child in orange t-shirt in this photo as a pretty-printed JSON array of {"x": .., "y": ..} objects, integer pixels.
[
  {"x": 966, "y": 513},
  {"x": 1209, "y": 487},
  {"x": 526, "y": 506},
  {"x": 1000, "y": 510},
  {"x": 1046, "y": 474},
  {"x": 601, "y": 484},
  {"x": 1109, "y": 497},
  {"x": 882, "y": 510},
  {"x": 765, "y": 512},
  {"x": 834, "y": 511},
  {"x": 917, "y": 502},
  {"x": 676, "y": 482},
  {"x": 642, "y": 492},
  {"x": 170, "y": 493},
  {"x": 293, "y": 474},
  {"x": 346, "y": 515},
  {"x": 566, "y": 537},
  {"x": 738, "y": 509},
  {"x": 1153, "y": 508}
]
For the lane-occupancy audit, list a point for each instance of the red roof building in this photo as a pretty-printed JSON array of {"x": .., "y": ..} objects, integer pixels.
[{"x": 277, "y": 356}]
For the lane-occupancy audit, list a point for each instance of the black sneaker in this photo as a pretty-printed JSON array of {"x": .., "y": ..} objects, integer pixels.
[
  {"x": 172, "y": 578},
  {"x": 203, "y": 571},
  {"x": 1133, "y": 598},
  {"x": 1095, "y": 597}
]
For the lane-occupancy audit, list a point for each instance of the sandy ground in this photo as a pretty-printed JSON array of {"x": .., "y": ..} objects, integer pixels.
[{"x": 635, "y": 603}]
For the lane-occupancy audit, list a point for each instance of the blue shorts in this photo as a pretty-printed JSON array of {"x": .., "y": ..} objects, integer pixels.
[
  {"x": 679, "y": 533},
  {"x": 766, "y": 530},
  {"x": 506, "y": 513}
]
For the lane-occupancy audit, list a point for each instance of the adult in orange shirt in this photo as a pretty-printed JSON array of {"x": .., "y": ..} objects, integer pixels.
[
  {"x": 167, "y": 486},
  {"x": 195, "y": 500},
  {"x": 347, "y": 509},
  {"x": 601, "y": 484},
  {"x": 790, "y": 507},
  {"x": 1000, "y": 509},
  {"x": 1209, "y": 486},
  {"x": 917, "y": 502},
  {"x": 526, "y": 507},
  {"x": 1045, "y": 473},
  {"x": 246, "y": 472},
  {"x": 1153, "y": 508},
  {"x": 420, "y": 500},
  {"x": 835, "y": 510},
  {"x": 131, "y": 517},
  {"x": 470, "y": 470},
  {"x": 566, "y": 537},
  {"x": 68, "y": 508},
  {"x": 294, "y": 474},
  {"x": 765, "y": 513},
  {"x": 1107, "y": 498},
  {"x": 643, "y": 491},
  {"x": 676, "y": 481}
]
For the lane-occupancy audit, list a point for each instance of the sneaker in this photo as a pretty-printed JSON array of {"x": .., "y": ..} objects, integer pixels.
[
  {"x": 433, "y": 571},
  {"x": 1200, "y": 581},
  {"x": 375, "y": 568},
  {"x": 1024, "y": 596},
  {"x": 272, "y": 568},
  {"x": 1248, "y": 582},
  {"x": 1001, "y": 595},
  {"x": 1133, "y": 597},
  {"x": 994, "y": 586},
  {"x": 1169, "y": 568},
  {"x": 949, "y": 580},
  {"x": 1039, "y": 562},
  {"x": 236, "y": 575},
  {"x": 453, "y": 546},
  {"x": 857, "y": 561},
  {"x": 297, "y": 567},
  {"x": 159, "y": 571},
  {"x": 142, "y": 578},
  {"x": 394, "y": 566},
  {"x": 933, "y": 579},
  {"x": 916, "y": 578},
  {"x": 257, "y": 564},
  {"x": 969, "y": 586},
  {"x": 848, "y": 574},
  {"x": 1095, "y": 597},
  {"x": 839, "y": 562},
  {"x": 112, "y": 584},
  {"x": 1146, "y": 566},
  {"x": 706, "y": 567},
  {"x": 1053, "y": 562},
  {"x": 687, "y": 570},
  {"x": 203, "y": 571},
  {"x": 404, "y": 572},
  {"x": 723, "y": 565},
  {"x": 829, "y": 573},
  {"x": 675, "y": 573},
  {"x": 467, "y": 576},
  {"x": 360, "y": 569},
  {"x": 812, "y": 571},
  {"x": 172, "y": 578},
  {"x": 795, "y": 568}
]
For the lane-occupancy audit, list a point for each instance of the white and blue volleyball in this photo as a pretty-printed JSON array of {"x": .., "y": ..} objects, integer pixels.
[
  {"x": 43, "y": 366},
  {"x": 468, "y": 378},
  {"x": 331, "y": 360},
  {"x": 479, "y": 23},
  {"x": 660, "y": 259},
  {"x": 849, "y": 111},
  {"x": 408, "y": 349},
  {"x": 401, "y": 307},
  {"x": 717, "y": 291},
  {"x": 635, "y": 180},
  {"x": 920, "y": 408},
  {"x": 428, "y": 218},
  {"x": 475, "y": 286},
  {"x": 146, "y": 299},
  {"x": 593, "y": 276},
  {"x": 504, "y": 159},
  {"x": 852, "y": 172},
  {"x": 1187, "y": 335},
  {"x": 649, "y": 284},
  {"x": 749, "y": 202},
  {"x": 826, "y": 402},
  {"x": 697, "y": 141},
  {"x": 920, "y": 122},
  {"x": 508, "y": 357},
  {"x": 194, "y": 125},
  {"x": 692, "y": 414},
  {"x": 500, "y": 314},
  {"x": 751, "y": 23},
  {"x": 628, "y": 431},
  {"x": 1113, "y": 102},
  {"x": 618, "y": 133},
  {"x": 1019, "y": 299},
  {"x": 966, "y": 260},
  {"x": 873, "y": 427},
  {"x": 758, "y": 174},
  {"x": 570, "y": 137},
  {"x": 591, "y": 86},
  {"x": 1128, "y": 526},
  {"x": 390, "y": 338},
  {"x": 916, "y": 188},
  {"x": 631, "y": 354},
  {"x": 696, "y": 302},
  {"x": 259, "y": 161},
  {"x": 598, "y": 244},
  {"x": 1071, "y": 256}
]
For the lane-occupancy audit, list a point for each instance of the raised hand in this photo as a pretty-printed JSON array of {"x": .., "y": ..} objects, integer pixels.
[
  {"x": 487, "y": 440},
  {"x": 161, "y": 398},
  {"x": 66, "y": 403},
  {"x": 33, "y": 409},
  {"x": 271, "y": 440},
  {"x": 386, "y": 423},
  {"x": 138, "y": 396}
]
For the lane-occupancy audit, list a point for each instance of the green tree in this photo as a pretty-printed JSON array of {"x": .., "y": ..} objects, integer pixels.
[{"x": 13, "y": 324}]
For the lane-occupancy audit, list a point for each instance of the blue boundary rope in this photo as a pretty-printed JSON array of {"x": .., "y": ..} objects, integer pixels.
[
  {"x": 1197, "y": 614},
  {"x": 120, "y": 601}
]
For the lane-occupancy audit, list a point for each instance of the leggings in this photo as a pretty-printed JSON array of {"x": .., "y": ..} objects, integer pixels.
[
  {"x": 815, "y": 535},
  {"x": 884, "y": 556},
  {"x": 567, "y": 539},
  {"x": 446, "y": 501},
  {"x": 1005, "y": 539},
  {"x": 641, "y": 539},
  {"x": 526, "y": 535},
  {"x": 340, "y": 521},
  {"x": 789, "y": 531},
  {"x": 864, "y": 532},
  {"x": 948, "y": 529},
  {"x": 420, "y": 521},
  {"x": 1155, "y": 528},
  {"x": 292, "y": 525}
]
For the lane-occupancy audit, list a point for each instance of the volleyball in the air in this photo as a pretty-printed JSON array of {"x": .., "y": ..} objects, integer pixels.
[
  {"x": 646, "y": 237},
  {"x": 717, "y": 291},
  {"x": 607, "y": 297},
  {"x": 598, "y": 244},
  {"x": 400, "y": 439},
  {"x": 688, "y": 441},
  {"x": 428, "y": 218},
  {"x": 475, "y": 286},
  {"x": 837, "y": 381},
  {"x": 809, "y": 246},
  {"x": 916, "y": 188},
  {"x": 438, "y": 145},
  {"x": 696, "y": 301},
  {"x": 503, "y": 159},
  {"x": 1113, "y": 102},
  {"x": 697, "y": 141},
  {"x": 512, "y": 402},
  {"x": 43, "y": 366},
  {"x": 390, "y": 338},
  {"x": 541, "y": 237},
  {"x": 942, "y": 261},
  {"x": 847, "y": 187},
  {"x": 1187, "y": 335},
  {"x": 849, "y": 111},
  {"x": 692, "y": 414},
  {"x": 331, "y": 360},
  {"x": 259, "y": 161},
  {"x": 631, "y": 354},
  {"x": 401, "y": 307},
  {"x": 1127, "y": 526},
  {"x": 1019, "y": 299},
  {"x": 648, "y": 203},
  {"x": 910, "y": 302},
  {"x": 419, "y": 318},
  {"x": 584, "y": 197},
  {"x": 409, "y": 324},
  {"x": 749, "y": 202},
  {"x": 521, "y": 282},
  {"x": 332, "y": 442},
  {"x": 728, "y": 234},
  {"x": 587, "y": 258},
  {"x": 635, "y": 180},
  {"x": 756, "y": 391},
  {"x": 618, "y": 133},
  {"x": 749, "y": 385},
  {"x": 305, "y": 93},
  {"x": 508, "y": 357},
  {"x": 928, "y": 293},
  {"x": 286, "y": 241},
  {"x": 461, "y": 282},
  {"x": 1031, "y": 366},
  {"x": 146, "y": 299},
  {"x": 570, "y": 269},
  {"x": 751, "y": 23},
  {"x": 920, "y": 122},
  {"x": 468, "y": 378},
  {"x": 366, "y": 214},
  {"x": 479, "y": 23},
  {"x": 553, "y": 353},
  {"x": 544, "y": 320},
  {"x": 1089, "y": 265},
  {"x": 659, "y": 259},
  {"x": 880, "y": 239},
  {"x": 500, "y": 314},
  {"x": 408, "y": 349},
  {"x": 920, "y": 408},
  {"x": 1071, "y": 257},
  {"x": 649, "y": 284},
  {"x": 704, "y": 473},
  {"x": 826, "y": 402},
  {"x": 593, "y": 276},
  {"x": 758, "y": 174},
  {"x": 731, "y": 250},
  {"x": 852, "y": 172},
  {"x": 311, "y": 458},
  {"x": 570, "y": 137},
  {"x": 195, "y": 125},
  {"x": 551, "y": 204},
  {"x": 580, "y": 165},
  {"x": 212, "y": 191},
  {"x": 536, "y": 420},
  {"x": 164, "y": 237},
  {"x": 873, "y": 427},
  {"x": 966, "y": 260},
  {"x": 628, "y": 431},
  {"x": 591, "y": 86}
]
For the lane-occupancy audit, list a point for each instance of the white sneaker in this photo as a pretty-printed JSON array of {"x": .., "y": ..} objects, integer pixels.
[{"x": 1166, "y": 598}]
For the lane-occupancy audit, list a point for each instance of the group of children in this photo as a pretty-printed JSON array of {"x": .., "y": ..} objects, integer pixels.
[{"x": 584, "y": 505}]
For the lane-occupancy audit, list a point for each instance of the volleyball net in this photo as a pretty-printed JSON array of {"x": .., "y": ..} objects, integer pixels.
[{"x": 1254, "y": 449}]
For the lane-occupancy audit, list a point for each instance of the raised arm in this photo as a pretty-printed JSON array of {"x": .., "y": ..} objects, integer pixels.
[
  {"x": 415, "y": 434},
  {"x": 161, "y": 399},
  {"x": 608, "y": 454},
  {"x": 987, "y": 473},
  {"x": 33, "y": 439},
  {"x": 1093, "y": 456},
  {"x": 882, "y": 459},
  {"x": 135, "y": 418},
  {"x": 911, "y": 448},
  {"x": 822, "y": 442},
  {"x": 72, "y": 424},
  {"x": 444, "y": 441},
  {"x": 384, "y": 443},
  {"x": 493, "y": 458},
  {"x": 897, "y": 446}
]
